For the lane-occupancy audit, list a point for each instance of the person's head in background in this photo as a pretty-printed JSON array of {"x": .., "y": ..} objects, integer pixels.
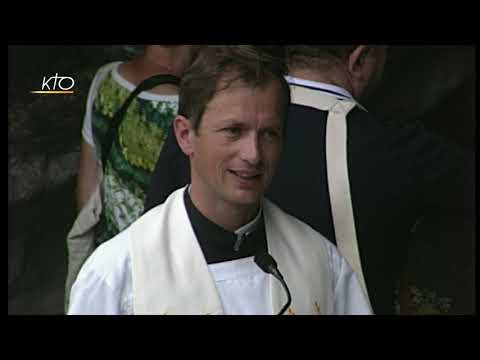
[
  {"x": 356, "y": 68},
  {"x": 232, "y": 108},
  {"x": 186, "y": 52},
  {"x": 177, "y": 57},
  {"x": 150, "y": 60}
]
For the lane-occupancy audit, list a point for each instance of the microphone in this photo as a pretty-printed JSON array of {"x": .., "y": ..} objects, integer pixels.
[{"x": 268, "y": 264}]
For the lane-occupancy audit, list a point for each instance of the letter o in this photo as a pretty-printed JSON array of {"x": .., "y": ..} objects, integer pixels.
[{"x": 66, "y": 77}]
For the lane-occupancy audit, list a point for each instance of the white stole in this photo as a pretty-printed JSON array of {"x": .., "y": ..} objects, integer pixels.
[
  {"x": 170, "y": 275},
  {"x": 337, "y": 169}
]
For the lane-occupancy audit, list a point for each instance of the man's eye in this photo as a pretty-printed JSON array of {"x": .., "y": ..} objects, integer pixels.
[
  {"x": 271, "y": 134},
  {"x": 233, "y": 131}
]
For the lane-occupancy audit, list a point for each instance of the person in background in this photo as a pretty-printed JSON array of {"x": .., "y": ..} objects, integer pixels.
[{"x": 115, "y": 183}]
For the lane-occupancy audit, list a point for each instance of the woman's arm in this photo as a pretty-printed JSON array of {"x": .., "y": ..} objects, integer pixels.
[{"x": 87, "y": 174}]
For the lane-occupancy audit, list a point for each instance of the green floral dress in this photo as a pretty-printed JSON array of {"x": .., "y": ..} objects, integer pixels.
[{"x": 134, "y": 151}]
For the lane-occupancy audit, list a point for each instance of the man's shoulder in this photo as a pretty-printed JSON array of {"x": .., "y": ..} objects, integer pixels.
[
  {"x": 300, "y": 110},
  {"x": 154, "y": 219},
  {"x": 292, "y": 223},
  {"x": 301, "y": 238},
  {"x": 357, "y": 114},
  {"x": 110, "y": 260},
  {"x": 367, "y": 126},
  {"x": 113, "y": 257}
]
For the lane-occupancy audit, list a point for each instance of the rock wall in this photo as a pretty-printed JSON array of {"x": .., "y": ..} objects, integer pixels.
[{"x": 43, "y": 154}]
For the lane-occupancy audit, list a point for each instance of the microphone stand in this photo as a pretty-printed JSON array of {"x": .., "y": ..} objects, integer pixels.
[{"x": 269, "y": 265}]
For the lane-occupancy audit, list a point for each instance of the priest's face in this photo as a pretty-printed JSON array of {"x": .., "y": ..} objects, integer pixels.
[{"x": 235, "y": 151}]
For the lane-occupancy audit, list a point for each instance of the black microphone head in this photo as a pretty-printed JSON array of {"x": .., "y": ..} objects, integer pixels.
[{"x": 265, "y": 262}]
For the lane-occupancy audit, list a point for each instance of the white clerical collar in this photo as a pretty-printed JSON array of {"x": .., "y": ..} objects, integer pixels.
[
  {"x": 320, "y": 86},
  {"x": 245, "y": 229}
]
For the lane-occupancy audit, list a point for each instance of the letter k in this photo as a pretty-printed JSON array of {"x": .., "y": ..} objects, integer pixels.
[{"x": 46, "y": 83}]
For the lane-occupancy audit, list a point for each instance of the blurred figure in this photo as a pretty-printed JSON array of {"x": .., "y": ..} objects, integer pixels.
[{"x": 111, "y": 186}]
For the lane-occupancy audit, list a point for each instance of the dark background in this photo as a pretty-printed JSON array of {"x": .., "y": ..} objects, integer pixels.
[{"x": 434, "y": 85}]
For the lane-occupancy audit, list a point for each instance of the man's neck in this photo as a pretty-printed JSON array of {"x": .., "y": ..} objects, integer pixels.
[
  {"x": 333, "y": 77},
  {"x": 219, "y": 244},
  {"x": 222, "y": 213}
]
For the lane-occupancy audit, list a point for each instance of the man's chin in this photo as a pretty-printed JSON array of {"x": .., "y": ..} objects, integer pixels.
[{"x": 247, "y": 198}]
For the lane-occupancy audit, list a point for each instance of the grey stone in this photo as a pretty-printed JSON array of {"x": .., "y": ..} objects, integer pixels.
[
  {"x": 61, "y": 168},
  {"x": 26, "y": 178}
]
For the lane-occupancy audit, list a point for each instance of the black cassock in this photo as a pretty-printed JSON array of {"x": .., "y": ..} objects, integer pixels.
[{"x": 399, "y": 175}]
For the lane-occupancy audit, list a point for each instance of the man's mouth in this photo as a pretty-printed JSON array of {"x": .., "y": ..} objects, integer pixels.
[{"x": 247, "y": 175}]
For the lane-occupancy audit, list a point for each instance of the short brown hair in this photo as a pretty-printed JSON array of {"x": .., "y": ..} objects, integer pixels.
[{"x": 254, "y": 65}]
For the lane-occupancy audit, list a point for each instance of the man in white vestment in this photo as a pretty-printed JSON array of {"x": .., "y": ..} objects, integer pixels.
[{"x": 217, "y": 246}]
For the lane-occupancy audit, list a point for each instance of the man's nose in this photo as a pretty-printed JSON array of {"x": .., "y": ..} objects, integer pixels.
[{"x": 250, "y": 149}]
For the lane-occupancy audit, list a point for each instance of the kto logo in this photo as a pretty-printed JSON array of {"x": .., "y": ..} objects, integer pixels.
[{"x": 60, "y": 85}]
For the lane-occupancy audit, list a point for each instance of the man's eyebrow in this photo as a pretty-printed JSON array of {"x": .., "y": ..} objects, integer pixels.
[
  {"x": 235, "y": 121},
  {"x": 271, "y": 128},
  {"x": 230, "y": 122}
]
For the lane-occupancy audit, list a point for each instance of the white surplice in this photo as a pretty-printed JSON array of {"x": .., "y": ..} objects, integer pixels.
[{"x": 156, "y": 266}]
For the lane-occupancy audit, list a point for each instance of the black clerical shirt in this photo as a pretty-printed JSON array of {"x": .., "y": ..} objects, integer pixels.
[{"x": 220, "y": 245}]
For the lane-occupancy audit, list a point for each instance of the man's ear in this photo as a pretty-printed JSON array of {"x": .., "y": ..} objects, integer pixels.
[
  {"x": 357, "y": 60},
  {"x": 184, "y": 133}
]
